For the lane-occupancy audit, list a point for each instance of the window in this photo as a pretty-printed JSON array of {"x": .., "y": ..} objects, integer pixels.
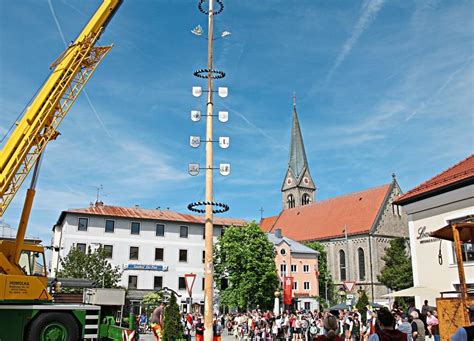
[
  {"x": 305, "y": 199},
  {"x": 203, "y": 283},
  {"x": 183, "y": 255},
  {"x": 183, "y": 232},
  {"x": 360, "y": 253},
  {"x": 135, "y": 228},
  {"x": 294, "y": 268},
  {"x": 157, "y": 283},
  {"x": 342, "y": 265},
  {"x": 158, "y": 253},
  {"x": 203, "y": 232},
  {"x": 160, "y": 230},
  {"x": 467, "y": 251},
  {"x": 290, "y": 201},
  {"x": 133, "y": 252},
  {"x": 306, "y": 286},
  {"x": 82, "y": 224},
  {"x": 283, "y": 252},
  {"x": 81, "y": 247},
  {"x": 307, "y": 305},
  {"x": 283, "y": 269},
  {"x": 32, "y": 263},
  {"x": 295, "y": 285},
  {"x": 222, "y": 231},
  {"x": 132, "y": 282},
  {"x": 181, "y": 283},
  {"x": 203, "y": 256},
  {"x": 109, "y": 226},
  {"x": 306, "y": 268},
  {"x": 108, "y": 250}
]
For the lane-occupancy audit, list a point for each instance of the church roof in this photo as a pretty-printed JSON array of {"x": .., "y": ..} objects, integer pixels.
[
  {"x": 326, "y": 219},
  {"x": 457, "y": 176},
  {"x": 100, "y": 209},
  {"x": 297, "y": 160}
]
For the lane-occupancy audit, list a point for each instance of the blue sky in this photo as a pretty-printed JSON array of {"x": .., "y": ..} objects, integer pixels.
[{"x": 382, "y": 87}]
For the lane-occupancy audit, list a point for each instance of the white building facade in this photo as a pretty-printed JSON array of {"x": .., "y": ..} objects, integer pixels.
[
  {"x": 154, "y": 248},
  {"x": 446, "y": 198}
]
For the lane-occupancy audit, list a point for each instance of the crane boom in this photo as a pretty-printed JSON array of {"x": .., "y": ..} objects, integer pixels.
[{"x": 39, "y": 124}]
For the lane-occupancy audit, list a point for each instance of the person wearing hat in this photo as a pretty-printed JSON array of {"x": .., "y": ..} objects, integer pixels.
[
  {"x": 465, "y": 333},
  {"x": 404, "y": 326}
]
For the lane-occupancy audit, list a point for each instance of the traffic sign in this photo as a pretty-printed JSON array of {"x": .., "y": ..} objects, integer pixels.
[
  {"x": 189, "y": 279},
  {"x": 349, "y": 285}
]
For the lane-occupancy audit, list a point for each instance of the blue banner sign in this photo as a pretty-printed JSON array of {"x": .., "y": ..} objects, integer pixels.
[{"x": 146, "y": 267}]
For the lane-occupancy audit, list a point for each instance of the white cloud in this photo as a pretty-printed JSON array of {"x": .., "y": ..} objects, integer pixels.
[{"x": 370, "y": 9}]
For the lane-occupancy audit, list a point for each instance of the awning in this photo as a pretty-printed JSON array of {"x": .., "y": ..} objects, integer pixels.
[
  {"x": 414, "y": 291},
  {"x": 466, "y": 232}
]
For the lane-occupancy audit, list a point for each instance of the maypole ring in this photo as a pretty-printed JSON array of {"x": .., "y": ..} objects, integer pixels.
[
  {"x": 221, "y": 207},
  {"x": 204, "y": 73},
  {"x": 205, "y": 11}
]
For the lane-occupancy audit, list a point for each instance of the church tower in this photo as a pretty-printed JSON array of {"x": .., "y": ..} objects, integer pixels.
[{"x": 298, "y": 188}]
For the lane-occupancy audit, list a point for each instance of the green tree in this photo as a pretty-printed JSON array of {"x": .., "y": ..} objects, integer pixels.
[
  {"x": 326, "y": 284},
  {"x": 397, "y": 273},
  {"x": 90, "y": 265},
  {"x": 244, "y": 268},
  {"x": 362, "y": 304},
  {"x": 172, "y": 328}
]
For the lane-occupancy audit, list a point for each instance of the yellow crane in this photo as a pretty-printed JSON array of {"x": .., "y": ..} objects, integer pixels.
[{"x": 23, "y": 277}]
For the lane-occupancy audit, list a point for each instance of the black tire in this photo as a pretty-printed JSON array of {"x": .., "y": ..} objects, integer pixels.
[{"x": 62, "y": 320}]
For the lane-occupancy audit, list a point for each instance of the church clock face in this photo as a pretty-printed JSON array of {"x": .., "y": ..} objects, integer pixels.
[
  {"x": 306, "y": 180},
  {"x": 289, "y": 181}
]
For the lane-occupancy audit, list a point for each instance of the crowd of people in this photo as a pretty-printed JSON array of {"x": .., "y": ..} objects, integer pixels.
[{"x": 381, "y": 324}]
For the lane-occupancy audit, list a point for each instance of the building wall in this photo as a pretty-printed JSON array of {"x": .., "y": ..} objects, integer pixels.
[
  {"x": 426, "y": 216},
  {"x": 392, "y": 223},
  {"x": 67, "y": 236},
  {"x": 299, "y": 276}
]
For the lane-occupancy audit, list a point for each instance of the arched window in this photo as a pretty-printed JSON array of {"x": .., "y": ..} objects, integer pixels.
[
  {"x": 305, "y": 199},
  {"x": 291, "y": 201},
  {"x": 342, "y": 265},
  {"x": 361, "y": 255}
]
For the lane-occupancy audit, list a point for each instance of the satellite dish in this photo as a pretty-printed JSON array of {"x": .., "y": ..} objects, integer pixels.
[
  {"x": 223, "y": 116},
  {"x": 224, "y": 142},
  {"x": 224, "y": 169},
  {"x": 223, "y": 92},
  {"x": 193, "y": 169},
  {"x": 197, "y": 91},
  {"x": 195, "y": 115},
  {"x": 194, "y": 141}
]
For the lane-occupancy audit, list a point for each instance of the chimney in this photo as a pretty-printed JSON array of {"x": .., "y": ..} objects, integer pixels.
[
  {"x": 137, "y": 206},
  {"x": 278, "y": 233}
]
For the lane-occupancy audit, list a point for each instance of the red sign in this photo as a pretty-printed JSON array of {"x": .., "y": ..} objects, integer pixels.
[
  {"x": 189, "y": 279},
  {"x": 349, "y": 285},
  {"x": 287, "y": 290}
]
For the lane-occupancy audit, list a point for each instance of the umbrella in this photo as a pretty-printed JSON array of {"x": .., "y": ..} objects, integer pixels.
[
  {"x": 414, "y": 291},
  {"x": 340, "y": 306}
]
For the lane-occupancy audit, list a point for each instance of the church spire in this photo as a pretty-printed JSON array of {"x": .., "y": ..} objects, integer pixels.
[
  {"x": 297, "y": 161},
  {"x": 298, "y": 188}
]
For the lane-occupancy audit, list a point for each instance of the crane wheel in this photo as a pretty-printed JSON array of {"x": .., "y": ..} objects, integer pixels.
[{"x": 53, "y": 326}]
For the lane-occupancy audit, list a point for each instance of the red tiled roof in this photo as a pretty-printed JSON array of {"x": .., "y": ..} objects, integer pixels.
[
  {"x": 459, "y": 172},
  {"x": 326, "y": 219},
  {"x": 141, "y": 213}
]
